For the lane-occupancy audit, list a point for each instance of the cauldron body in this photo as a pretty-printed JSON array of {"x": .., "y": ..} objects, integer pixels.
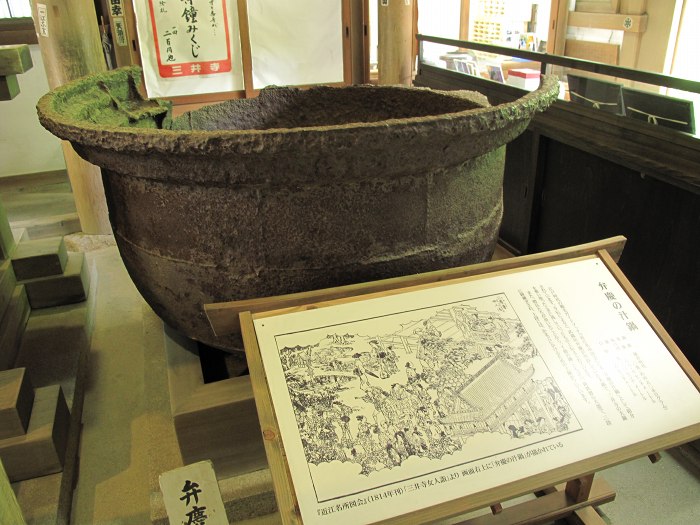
[{"x": 293, "y": 190}]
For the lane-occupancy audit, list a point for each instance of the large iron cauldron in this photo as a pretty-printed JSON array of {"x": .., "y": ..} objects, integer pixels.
[{"x": 293, "y": 190}]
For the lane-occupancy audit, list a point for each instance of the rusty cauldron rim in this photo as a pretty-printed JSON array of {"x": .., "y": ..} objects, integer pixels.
[{"x": 202, "y": 142}]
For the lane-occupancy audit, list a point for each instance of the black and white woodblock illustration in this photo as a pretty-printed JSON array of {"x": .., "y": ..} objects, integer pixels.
[{"x": 423, "y": 390}]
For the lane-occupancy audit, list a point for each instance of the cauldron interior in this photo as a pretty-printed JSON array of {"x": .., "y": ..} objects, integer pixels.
[{"x": 283, "y": 108}]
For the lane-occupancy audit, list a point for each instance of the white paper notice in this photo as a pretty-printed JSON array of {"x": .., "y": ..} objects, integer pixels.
[
  {"x": 415, "y": 399},
  {"x": 42, "y": 19},
  {"x": 295, "y": 43},
  {"x": 187, "y": 46}
]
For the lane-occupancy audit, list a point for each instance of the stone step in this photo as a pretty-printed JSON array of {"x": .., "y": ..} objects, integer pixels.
[
  {"x": 56, "y": 290},
  {"x": 12, "y": 326},
  {"x": 41, "y": 450},
  {"x": 39, "y": 258},
  {"x": 16, "y": 400},
  {"x": 49, "y": 226}
]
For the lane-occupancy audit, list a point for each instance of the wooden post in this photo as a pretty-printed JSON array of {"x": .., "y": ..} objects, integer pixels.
[
  {"x": 70, "y": 45},
  {"x": 631, "y": 40},
  {"x": 246, "y": 52},
  {"x": 559, "y": 19},
  {"x": 579, "y": 489},
  {"x": 395, "y": 50},
  {"x": 464, "y": 10}
]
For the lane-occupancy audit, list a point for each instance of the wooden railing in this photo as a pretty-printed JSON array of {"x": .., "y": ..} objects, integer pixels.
[{"x": 545, "y": 59}]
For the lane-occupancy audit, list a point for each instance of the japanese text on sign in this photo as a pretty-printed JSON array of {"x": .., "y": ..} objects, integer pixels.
[
  {"x": 191, "y": 495},
  {"x": 116, "y": 8},
  {"x": 196, "y": 514},
  {"x": 191, "y": 37}
]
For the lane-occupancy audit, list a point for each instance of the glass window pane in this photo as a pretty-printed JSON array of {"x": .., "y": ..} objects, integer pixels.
[{"x": 15, "y": 8}]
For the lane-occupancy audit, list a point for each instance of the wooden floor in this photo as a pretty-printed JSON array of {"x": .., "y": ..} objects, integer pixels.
[
  {"x": 120, "y": 436},
  {"x": 41, "y": 203}
]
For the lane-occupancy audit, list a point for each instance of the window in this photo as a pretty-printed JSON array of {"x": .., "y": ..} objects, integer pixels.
[{"x": 15, "y": 9}]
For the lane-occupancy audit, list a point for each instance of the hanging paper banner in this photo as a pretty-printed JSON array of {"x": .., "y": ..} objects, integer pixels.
[
  {"x": 191, "y": 37},
  {"x": 189, "y": 47}
]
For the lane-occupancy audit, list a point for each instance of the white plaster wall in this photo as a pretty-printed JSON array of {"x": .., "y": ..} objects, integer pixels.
[
  {"x": 25, "y": 146},
  {"x": 660, "y": 34}
]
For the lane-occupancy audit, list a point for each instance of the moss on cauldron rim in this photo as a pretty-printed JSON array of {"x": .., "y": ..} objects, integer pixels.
[
  {"x": 95, "y": 107},
  {"x": 109, "y": 99}
]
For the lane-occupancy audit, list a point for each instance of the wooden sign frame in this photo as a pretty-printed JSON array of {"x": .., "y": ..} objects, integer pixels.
[{"x": 580, "y": 491}]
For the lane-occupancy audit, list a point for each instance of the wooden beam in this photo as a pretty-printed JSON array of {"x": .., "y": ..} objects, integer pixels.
[
  {"x": 595, "y": 51},
  {"x": 598, "y": 6},
  {"x": 17, "y": 31},
  {"x": 622, "y": 22},
  {"x": 553, "y": 505},
  {"x": 633, "y": 7}
]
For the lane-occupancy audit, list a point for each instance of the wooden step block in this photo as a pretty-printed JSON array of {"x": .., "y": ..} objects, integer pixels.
[
  {"x": 12, "y": 326},
  {"x": 10, "y": 511},
  {"x": 7, "y": 240},
  {"x": 40, "y": 258},
  {"x": 42, "y": 449},
  {"x": 9, "y": 87},
  {"x": 15, "y": 59},
  {"x": 16, "y": 400},
  {"x": 7, "y": 285},
  {"x": 56, "y": 290},
  {"x": 50, "y": 226}
]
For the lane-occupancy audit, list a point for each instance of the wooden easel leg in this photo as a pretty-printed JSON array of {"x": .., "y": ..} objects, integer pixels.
[
  {"x": 585, "y": 516},
  {"x": 655, "y": 457},
  {"x": 579, "y": 489},
  {"x": 552, "y": 504}
]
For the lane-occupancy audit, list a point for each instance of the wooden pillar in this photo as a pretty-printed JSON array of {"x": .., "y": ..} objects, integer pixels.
[
  {"x": 395, "y": 50},
  {"x": 558, "y": 20},
  {"x": 464, "y": 10},
  {"x": 70, "y": 45}
]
